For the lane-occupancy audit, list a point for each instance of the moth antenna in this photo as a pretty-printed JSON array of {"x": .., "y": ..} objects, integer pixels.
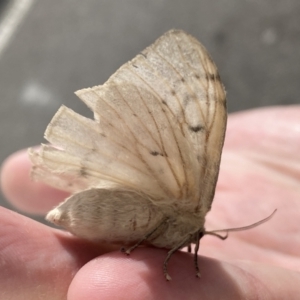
[
  {"x": 222, "y": 237},
  {"x": 227, "y": 230}
]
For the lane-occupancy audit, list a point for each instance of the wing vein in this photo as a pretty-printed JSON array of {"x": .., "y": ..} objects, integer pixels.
[
  {"x": 172, "y": 129},
  {"x": 162, "y": 186}
]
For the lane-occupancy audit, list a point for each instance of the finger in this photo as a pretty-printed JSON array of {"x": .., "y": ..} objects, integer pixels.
[
  {"x": 38, "y": 262},
  {"x": 140, "y": 276},
  {"x": 21, "y": 191}
]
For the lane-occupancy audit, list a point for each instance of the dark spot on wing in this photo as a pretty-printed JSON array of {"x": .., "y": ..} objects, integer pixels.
[
  {"x": 83, "y": 172},
  {"x": 156, "y": 153},
  {"x": 182, "y": 80},
  {"x": 164, "y": 102},
  {"x": 173, "y": 92},
  {"x": 196, "y": 128},
  {"x": 143, "y": 54},
  {"x": 197, "y": 76},
  {"x": 213, "y": 77},
  {"x": 135, "y": 66}
]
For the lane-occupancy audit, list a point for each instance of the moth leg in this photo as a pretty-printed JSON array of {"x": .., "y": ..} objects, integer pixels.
[
  {"x": 196, "y": 255},
  {"x": 189, "y": 248},
  {"x": 170, "y": 253},
  {"x": 127, "y": 251}
]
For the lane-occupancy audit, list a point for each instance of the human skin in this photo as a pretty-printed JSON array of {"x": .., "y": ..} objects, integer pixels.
[{"x": 260, "y": 172}]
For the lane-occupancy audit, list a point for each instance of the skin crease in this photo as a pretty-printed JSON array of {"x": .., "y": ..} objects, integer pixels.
[{"x": 260, "y": 171}]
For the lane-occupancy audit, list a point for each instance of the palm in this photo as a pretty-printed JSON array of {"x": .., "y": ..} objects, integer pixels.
[{"x": 260, "y": 171}]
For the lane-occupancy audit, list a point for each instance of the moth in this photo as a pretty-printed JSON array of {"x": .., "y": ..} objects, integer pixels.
[{"x": 144, "y": 170}]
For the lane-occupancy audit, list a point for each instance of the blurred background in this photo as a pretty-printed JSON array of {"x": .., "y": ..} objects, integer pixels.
[{"x": 49, "y": 49}]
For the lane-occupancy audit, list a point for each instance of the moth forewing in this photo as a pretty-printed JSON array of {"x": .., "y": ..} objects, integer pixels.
[{"x": 144, "y": 170}]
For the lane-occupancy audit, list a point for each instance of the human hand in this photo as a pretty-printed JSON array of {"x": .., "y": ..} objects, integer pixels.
[{"x": 260, "y": 171}]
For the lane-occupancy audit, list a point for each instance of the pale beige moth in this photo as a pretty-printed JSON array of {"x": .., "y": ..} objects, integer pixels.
[{"x": 144, "y": 170}]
